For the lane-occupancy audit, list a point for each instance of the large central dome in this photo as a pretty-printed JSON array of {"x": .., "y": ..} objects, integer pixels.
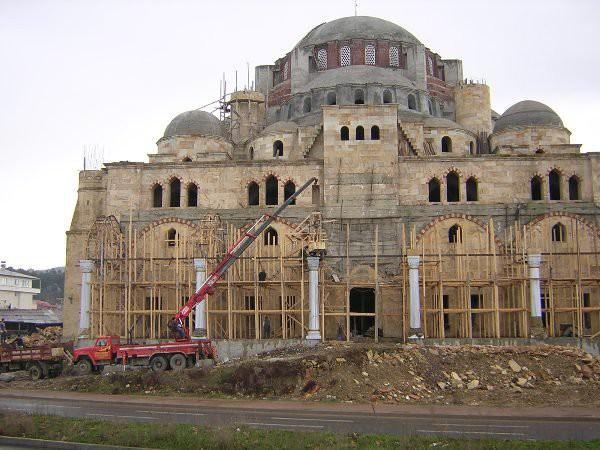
[{"x": 357, "y": 27}]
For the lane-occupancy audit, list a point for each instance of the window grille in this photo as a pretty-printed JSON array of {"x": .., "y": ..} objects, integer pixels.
[
  {"x": 345, "y": 56},
  {"x": 322, "y": 59},
  {"x": 286, "y": 69},
  {"x": 370, "y": 55},
  {"x": 394, "y": 57}
]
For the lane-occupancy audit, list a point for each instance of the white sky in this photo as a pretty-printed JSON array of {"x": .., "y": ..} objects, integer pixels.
[{"x": 112, "y": 74}]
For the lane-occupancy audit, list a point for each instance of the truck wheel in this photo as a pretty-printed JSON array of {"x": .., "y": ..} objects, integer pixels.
[
  {"x": 83, "y": 367},
  {"x": 178, "y": 362},
  {"x": 158, "y": 363},
  {"x": 36, "y": 372}
]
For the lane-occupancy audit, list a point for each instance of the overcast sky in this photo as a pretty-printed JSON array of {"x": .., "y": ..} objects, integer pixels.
[{"x": 112, "y": 74}]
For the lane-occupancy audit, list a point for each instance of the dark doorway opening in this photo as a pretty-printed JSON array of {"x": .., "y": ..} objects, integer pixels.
[{"x": 362, "y": 300}]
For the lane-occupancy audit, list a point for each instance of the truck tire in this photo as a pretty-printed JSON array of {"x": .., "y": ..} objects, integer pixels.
[
  {"x": 178, "y": 362},
  {"x": 159, "y": 363},
  {"x": 83, "y": 367},
  {"x": 36, "y": 372}
]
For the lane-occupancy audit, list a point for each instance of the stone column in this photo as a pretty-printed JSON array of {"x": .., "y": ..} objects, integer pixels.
[
  {"x": 86, "y": 295},
  {"x": 200, "y": 314},
  {"x": 536, "y": 325},
  {"x": 414, "y": 301},
  {"x": 314, "y": 329}
]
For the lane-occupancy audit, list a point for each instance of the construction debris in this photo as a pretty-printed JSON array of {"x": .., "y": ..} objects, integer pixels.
[{"x": 387, "y": 373}]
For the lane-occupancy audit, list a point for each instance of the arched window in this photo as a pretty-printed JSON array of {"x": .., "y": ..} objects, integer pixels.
[
  {"x": 434, "y": 190},
  {"x": 344, "y": 133},
  {"x": 288, "y": 190},
  {"x": 374, "y": 133},
  {"x": 359, "y": 97},
  {"x": 175, "y": 193},
  {"x": 455, "y": 234},
  {"x": 253, "y": 194},
  {"x": 452, "y": 187},
  {"x": 157, "y": 193},
  {"x": 331, "y": 98},
  {"x": 187, "y": 159},
  {"x": 322, "y": 59},
  {"x": 172, "y": 237},
  {"x": 345, "y": 56},
  {"x": 192, "y": 195},
  {"x": 554, "y": 184},
  {"x": 370, "y": 55},
  {"x": 472, "y": 190},
  {"x": 536, "y": 188},
  {"x": 559, "y": 233},
  {"x": 251, "y": 152},
  {"x": 387, "y": 96},
  {"x": 412, "y": 102},
  {"x": 271, "y": 237},
  {"x": 574, "y": 188},
  {"x": 471, "y": 148},
  {"x": 394, "y": 57},
  {"x": 277, "y": 149},
  {"x": 307, "y": 105},
  {"x": 360, "y": 133},
  {"x": 271, "y": 191},
  {"x": 446, "y": 144}
]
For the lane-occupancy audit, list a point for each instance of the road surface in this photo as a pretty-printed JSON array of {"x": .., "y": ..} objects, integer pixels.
[{"x": 459, "y": 422}]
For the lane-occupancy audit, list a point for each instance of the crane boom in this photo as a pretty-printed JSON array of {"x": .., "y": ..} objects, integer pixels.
[{"x": 231, "y": 256}]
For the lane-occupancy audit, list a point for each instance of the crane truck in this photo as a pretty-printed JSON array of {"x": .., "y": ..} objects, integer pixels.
[{"x": 182, "y": 351}]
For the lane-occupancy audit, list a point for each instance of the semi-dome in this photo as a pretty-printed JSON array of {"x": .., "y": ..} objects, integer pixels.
[
  {"x": 357, "y": 27},
  {"x": 194, "y": 123},
  {"x": 526, "y": 114}
]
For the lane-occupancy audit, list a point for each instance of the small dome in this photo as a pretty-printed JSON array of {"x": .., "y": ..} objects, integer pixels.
[
  {"x": 526, "y": 114},
  {"x": 194, "y": 123},
  {"x": 281, "y": 127},
  {"x": 357, "y": 27}
]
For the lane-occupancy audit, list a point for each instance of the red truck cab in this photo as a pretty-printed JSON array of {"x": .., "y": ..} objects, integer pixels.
[{"x": 108, "y": 350}]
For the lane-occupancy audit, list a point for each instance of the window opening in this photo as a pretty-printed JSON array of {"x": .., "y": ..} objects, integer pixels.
[
  {"x": 277, "y": 149},
  {"x": 455, "y": 234},
  {"x": 360, "y": 133},
  {"x": 172, "y": 237},
  {"x": 472, "y": 190},
  {"x": 359, "y": 97},
  {"x": 322, "y": 59},
  {"x": 370, "y": 55},
  {"x": 573, "y": 188},
  {"x": 394, "y": 57},
  {"x": 452, "y": 187},
  {"x": 175, "y": 193},
  {"x": 446, "y": 144},
  {"x": 536, "y": 188},
  {"x": 345, "y": 56},
  {"x": 412, "y": 102},
  {"x": 271, "y": 237},
  {"x": 374, "y": 133},
  {"x": 192, "y": 196},
  {"x": 344, "y": 134},
  {"x": 554, "y": 184},
  {"x": 559, "y": 233},
  {"x": 157, "y": 194},
  {"x": 288, "y": 190},
  {"x": 271, "y": 191},
  {"x": 434, "y": 190},
  {"x": 253, "y": 194},
  {"x": 387, "y": 96}
]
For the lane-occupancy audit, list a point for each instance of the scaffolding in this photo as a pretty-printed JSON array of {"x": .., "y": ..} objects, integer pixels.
[{"x": 473, "y": 283}]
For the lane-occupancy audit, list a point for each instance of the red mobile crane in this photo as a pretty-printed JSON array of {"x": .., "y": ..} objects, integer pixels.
[{"x": 108, "y": 350}]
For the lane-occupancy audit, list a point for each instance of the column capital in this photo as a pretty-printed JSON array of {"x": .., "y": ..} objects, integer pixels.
[
  {"x": 200, "y": 264},
  {"x": 534, "y": 260},
  {"x": 86, "y": 265},
  {"x": 313, "y": 262},
  {"x": 413, "y": 261}
]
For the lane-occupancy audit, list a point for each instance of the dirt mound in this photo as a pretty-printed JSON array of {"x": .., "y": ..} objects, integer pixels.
[{"x": 472, "y": 375}]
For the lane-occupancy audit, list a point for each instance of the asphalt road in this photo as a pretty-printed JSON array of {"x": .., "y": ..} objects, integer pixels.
[{"x": 463, "y": 422}]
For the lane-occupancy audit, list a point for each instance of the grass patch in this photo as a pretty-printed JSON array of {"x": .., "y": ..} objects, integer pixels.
[{"x": 181, "y": 436}]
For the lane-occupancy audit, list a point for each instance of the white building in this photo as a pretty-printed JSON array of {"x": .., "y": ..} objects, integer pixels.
[{"x": 17, "y": 289}]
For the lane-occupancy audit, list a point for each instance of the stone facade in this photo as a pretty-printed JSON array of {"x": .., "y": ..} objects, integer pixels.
[{"x": 375, "y": 137}]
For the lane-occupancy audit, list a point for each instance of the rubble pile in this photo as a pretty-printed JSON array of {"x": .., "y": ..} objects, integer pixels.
[
  {"x": 454, "y": 375},
  {"x": 43, "y": 336}
]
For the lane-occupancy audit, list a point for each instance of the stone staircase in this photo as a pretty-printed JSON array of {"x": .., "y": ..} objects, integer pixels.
[
  {"x": 410, "y": 141},
  {"x": 307, "y": 137}
]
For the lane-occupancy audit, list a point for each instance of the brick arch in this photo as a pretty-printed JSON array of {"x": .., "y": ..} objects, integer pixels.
[
  {"x": 431, "y": 225},
  {"x": 474, "y": 176},
  {"x": 453, "y": 169},
  {"x": 557, "y": 215},
  {"x": 173, "y": 177},
  {"x": 557, "y": 168},
  {"x": 158, "y": 183},
  {"x": 167, "y": 220},
  {"x": 429, "y": 177},
  {"x": 268, "y": 174}
]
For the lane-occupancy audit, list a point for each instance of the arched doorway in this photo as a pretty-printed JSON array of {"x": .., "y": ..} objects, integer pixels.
[{"x": 362, "y": 300}]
